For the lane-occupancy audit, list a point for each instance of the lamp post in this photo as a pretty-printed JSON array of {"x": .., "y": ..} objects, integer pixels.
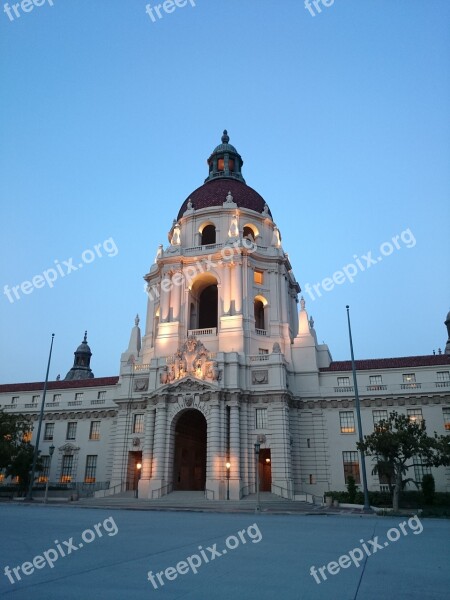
[
  {"x": 257, "y": 447},
  {"x": 228, "y": 466},
  {"x": 50, "y": 451},
  {"x": 358, "y": 416},
  {"x": 138, "y": 467},
  {"x": 41, "y": 416}
]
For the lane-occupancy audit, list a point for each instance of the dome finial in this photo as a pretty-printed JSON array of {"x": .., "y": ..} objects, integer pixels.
[
  {"x": 85, "y": 337},
  {"x": 225, "y": 137}
]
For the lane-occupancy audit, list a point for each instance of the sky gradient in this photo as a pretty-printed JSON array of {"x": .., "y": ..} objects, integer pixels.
[{"x": 107, "y": 119}]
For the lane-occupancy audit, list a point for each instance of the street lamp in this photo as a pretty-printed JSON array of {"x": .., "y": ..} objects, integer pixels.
[
  {"x": 50, "y": 451},
  {"x": 228, "y": 466},
  {"x": 138, "y": 467},
  {"x": 257, "y": 447}
]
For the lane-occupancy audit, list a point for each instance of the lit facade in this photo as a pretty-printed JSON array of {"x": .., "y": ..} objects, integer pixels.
[{"x": 228, "y": 358}]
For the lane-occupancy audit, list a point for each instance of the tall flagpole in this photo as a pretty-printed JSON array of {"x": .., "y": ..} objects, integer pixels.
[
  {"x": 358, "y": 415},
  {"x": 38, "y": 436}
]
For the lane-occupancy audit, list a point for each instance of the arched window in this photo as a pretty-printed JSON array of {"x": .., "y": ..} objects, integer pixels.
[
  {"x": 208, "y": 307},
  {"x": 208, "y": 235},
  {"x": 203, "y": 302},
  {"x": 249, "y": 233},
  {"x": 259, "y": 315}
]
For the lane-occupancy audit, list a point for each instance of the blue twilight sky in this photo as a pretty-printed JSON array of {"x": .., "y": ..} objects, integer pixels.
[{"x": 107, "y": 119}]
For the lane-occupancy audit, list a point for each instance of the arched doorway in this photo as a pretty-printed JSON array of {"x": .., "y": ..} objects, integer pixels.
[{"x": 189, "y": 466}]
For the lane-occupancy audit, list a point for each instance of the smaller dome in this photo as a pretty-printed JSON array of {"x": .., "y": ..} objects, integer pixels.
[{"x": 84, "y": 347}]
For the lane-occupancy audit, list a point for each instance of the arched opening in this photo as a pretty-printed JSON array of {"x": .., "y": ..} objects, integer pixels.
[
  {"x": 208, "y": 235},
  {"x": 208, "y": 307},
  {"x": 250, "y": 232},
  {"x": 203, "y": 302},
  {"x": 189, "y": 466},
  {"x": 259, "y": 314}
]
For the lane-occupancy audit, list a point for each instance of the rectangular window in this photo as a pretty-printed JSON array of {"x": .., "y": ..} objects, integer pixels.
[
  {"x": 56, "y": 397},
  {"x": 379, "y": 415},
  {"x": 71, "y": 430},
  {"x": 79, "y": 396},
  {"x": 446, "y": 414},
  {"x": 258, "y": 277},
  {"x": 261, "y": 418},
  {"x": 45, "y": 473},
  {"x": 343, "y": 381},
  {"x": 101, "y": 395},
  {"x": 262, "y": 351},
  {"x": 91, "y": 467},
  {"x": 66, "y": 469},
  {"x": 49, "y": 430},
  {"x": 409, "y": 378},
  {"x": 375, "y": 379},
  {"x": 351, "y": 466},
  {"x": 443, "y": 375},
  {"x": 420, "y": 470},
  {"x": 35, "y": 399},
  {"x": 14, "y": 399},
  {"x": 94, "y": 433},
  {"x": 138, "y": 424},
  {"x": 347, "y": 419},
  {"x": 415, "y": 414}
]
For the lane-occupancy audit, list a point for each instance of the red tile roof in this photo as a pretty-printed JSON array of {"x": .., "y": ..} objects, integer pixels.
[
  {"x": 214, "y": 193},
  {"x": 430, "y": 360},
  {"x": 58, "y": 385}
]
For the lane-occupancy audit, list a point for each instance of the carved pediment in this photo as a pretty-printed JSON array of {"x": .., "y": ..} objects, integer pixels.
[
  {"x": 187, "y": 384},
  {"x": 193, "y": 360},
  {"x": 69, "y": 448}
]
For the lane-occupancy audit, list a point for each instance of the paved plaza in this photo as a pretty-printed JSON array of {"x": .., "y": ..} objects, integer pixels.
[{"x": 109, "y": 553}]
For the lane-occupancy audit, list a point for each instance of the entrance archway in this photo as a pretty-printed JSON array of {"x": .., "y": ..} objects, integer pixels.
[{"x": 189, "y": 466}]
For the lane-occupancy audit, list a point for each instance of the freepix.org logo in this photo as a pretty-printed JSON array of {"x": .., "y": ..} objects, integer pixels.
[{"x": 49, "y": 276}]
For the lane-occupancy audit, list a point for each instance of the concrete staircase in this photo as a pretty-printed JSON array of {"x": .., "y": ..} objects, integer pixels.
[{"x": 196, "y": 501}]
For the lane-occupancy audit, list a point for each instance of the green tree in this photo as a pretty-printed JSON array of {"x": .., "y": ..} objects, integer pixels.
[
  {"x": 351, "y": 489},
  {"x": 394, "y": 445},
  {"x": 13, "y": 430},
  {"x": 21, "y": 465}
]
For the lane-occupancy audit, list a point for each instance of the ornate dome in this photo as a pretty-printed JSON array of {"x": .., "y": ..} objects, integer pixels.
[
  {"x": 214, "y": 193},
  {"x": 225, "y": 176}
]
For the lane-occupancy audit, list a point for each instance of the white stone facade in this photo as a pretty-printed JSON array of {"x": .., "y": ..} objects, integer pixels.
[{"x": 225, "y": 339}]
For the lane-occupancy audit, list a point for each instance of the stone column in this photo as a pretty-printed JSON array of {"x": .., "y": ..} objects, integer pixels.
[
  {"x": 147, "y": 453},
  {"x": 244, "y": 441},
  {"x": 120, "y": 461},
  {"x": 235, "y": 453},
  {"x": 214, "y": 455},
  {"x": 281, "y": 447},
  {"x": 283, "y": 298},
  {"x": 159, "y": 451},
  {"x": 226, "y": 288},
  {"x": 164, "y": 312},
  {"x": 175, "y": 296},
  {"x": 238, "y": 287}
]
